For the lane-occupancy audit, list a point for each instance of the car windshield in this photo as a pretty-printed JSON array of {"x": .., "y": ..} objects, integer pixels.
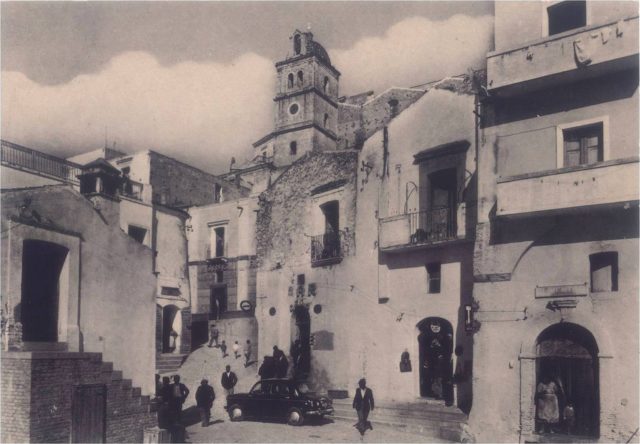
[{"x": 303, "y": 388}]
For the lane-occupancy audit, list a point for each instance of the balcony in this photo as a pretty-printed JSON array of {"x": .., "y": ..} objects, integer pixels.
[
  {"x": 23, "y": 158},
  {"x": 328, "y": 248},
  {"x": 610, "y": 182},
  {"x": 421, "y": 229},
  {"x": 131, "y": 189},
  {"x": 568, "y": 56}
]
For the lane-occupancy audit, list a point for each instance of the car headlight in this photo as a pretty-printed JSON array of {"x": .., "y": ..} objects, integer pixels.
[{"x": 308, "y": 403}]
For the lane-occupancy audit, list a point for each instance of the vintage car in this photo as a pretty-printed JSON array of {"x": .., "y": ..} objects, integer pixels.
[{"x": 278, "y": 399}]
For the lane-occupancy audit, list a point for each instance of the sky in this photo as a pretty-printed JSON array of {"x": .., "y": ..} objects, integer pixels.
[{"x": 196, "y": 80}]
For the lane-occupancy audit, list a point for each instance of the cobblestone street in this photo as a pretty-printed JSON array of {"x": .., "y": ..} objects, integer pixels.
[{"x": 338, "y": 431}]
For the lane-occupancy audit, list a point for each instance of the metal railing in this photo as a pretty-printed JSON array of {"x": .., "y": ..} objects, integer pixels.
[
  {"x": 132, "y": 189},
  {"x": 22, "y": 157},
  {"x": 326, "y": 247},
  {"x": 432, "y": 225}
]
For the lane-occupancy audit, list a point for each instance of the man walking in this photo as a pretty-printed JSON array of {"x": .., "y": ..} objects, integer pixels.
[
  {"x": 236, "y": 349},
  {"x": 223, "y": 349},
  {"x": 204, "y": 400},
  {"x": 363, "y": 403},
  {"x": 229, "y": 381},
  {"x": 180, "y": 393},
  {"x": 213, "y": 334},
  {"x": 247, "y": 353}
]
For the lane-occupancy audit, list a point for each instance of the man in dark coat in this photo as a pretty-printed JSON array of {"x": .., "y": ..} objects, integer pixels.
[
  {"x": 165, "y": 414},
  {"x": 179, "y": 393},
  {"x": 282, "y": 364},
  {"x": 229, "y": 380},
  {"x": 363, "y": 403},
  {"x": 267, "y": 369},
  {"x": 204, "y": 400}
]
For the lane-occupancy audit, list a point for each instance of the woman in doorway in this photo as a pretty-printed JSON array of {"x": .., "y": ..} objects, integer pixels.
[{"x": 548, "y": 412}]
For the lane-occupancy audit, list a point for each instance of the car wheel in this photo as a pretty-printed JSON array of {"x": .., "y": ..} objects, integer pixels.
[
  {"x": 236, "y": 413},
  {"x": 295, "y": 417}
]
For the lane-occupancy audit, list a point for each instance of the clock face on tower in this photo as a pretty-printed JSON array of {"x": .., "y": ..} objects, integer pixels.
[{"x": 293, "y": 109}]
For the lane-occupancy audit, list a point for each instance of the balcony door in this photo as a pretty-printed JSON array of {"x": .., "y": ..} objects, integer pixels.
[{"x": 438, "y": 205}]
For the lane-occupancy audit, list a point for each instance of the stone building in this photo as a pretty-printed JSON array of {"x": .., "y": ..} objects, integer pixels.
[
  {"x": 365, "y": 246},
  {"x": 556, "y": 252}
]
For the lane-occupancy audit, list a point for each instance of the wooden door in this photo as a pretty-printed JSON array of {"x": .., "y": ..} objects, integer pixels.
[{"x": 88, "y": 413}]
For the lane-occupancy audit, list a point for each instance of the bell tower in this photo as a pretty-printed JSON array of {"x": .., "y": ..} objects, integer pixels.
[{"x": 306, "y": 101}]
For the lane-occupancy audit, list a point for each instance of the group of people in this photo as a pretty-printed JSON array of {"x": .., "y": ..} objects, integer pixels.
[
  {"x": 214, "y": 336},
  {"x": 172, "y": 394},
  {"x": 276, "y": 366}
]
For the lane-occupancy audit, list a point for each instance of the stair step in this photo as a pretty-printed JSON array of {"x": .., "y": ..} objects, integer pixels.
[
  {"x": 107, "y": 367},
  {"x": 126, "y": 384},
  {"x": 116, "y": 375},
  {"x": 136, "y": 392}
]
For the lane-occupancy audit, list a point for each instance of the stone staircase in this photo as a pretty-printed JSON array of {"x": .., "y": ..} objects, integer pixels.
[
  {"x": 431, "y": 418},
  {"x": 167, "y": 363},
  {"x": 52, "y": 376}
]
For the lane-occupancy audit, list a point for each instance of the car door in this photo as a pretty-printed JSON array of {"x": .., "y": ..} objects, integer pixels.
[
  {"x": 280, "y": 399},
  {"x": 258, "y": 400}
]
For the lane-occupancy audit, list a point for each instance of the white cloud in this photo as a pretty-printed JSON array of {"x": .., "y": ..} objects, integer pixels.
[
  {"x": 204, "y": 113},
  {"x": 414, "y": 51}
]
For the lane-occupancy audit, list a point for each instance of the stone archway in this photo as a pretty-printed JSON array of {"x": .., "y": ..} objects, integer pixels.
[
  {"x": 435, "y": 344},
  {"x": 577, "y": 360}
]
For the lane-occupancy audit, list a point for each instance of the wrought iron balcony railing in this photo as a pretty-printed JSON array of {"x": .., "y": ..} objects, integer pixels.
[
  {"x": 131, "y": 189},
  {"x": 25, "y": 158},
  {"x": 418, "y": 228},
  {"x": 327, "y": 248}
]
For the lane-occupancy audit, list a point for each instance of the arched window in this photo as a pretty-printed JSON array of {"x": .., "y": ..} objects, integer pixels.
[
  {"x": 293, "y": 148},
  {"x": 290, "y": 81},
  {"x": 326, "y": 120},
  {"x": 297, "y": 44},
  {"x": 325, "y": 85},
  {"x": 300, "y": 78}
]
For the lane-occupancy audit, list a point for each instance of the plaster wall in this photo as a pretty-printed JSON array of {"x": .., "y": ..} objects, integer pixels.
[
  {"x": 139, "y": 215},
  {"x": 122, "y": 296},
  {"x": 172, "y": 254},
  {"x": 519, "y": 22}
]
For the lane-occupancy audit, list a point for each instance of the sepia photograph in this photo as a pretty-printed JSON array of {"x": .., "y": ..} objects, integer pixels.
[{"x": 319, "y": 221}]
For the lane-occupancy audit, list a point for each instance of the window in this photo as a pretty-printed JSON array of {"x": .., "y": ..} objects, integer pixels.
[
  {"x": 293, "y": 148},
  {"x": 325, "y": 84},
  {"x": 433, "y": 277},
  {"x": 567, "y": 15},
  {"x": 138, "y": 233},
  {"x": 393, "y": 107},
  {"x": 219, "y": 238},
  {"x": 297, "y": 44},
  {"x": 331, "y": 212},
  {"x": 300, "y": 78},
  {"x": 326, "y": 120},
  {"x": 217, "y": 193},
  {"x": 170, "y": 291},
  {"x": 219, "y": 277},
  {"x": 293, "y": 109},
  {"x": 604, "y": 271},
  {"x": 290, "y": 81},
  {"x": 583, "y": 145}
]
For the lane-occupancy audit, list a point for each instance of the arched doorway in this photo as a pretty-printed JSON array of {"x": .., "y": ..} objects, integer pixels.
[
  {"x": 300, "y": 342},
  {"x": 42, "y": 263},
  {"x": 435, "y": 343},
  {"x": 567, "y": 355},
  {"x": 170, "y": 318}
]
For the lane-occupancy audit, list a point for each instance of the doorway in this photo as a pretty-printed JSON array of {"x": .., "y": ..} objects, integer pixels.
[
  {"x": 217, "y": 301},
  {"x": 435, "y": 343},
  {"x": 567, "y": 375},
  {"x": 169, "y": 335},
  {"x": 301, "y": 344},
  {"x": 88, "y": 418},
  {"x": 42, "y": 263}
]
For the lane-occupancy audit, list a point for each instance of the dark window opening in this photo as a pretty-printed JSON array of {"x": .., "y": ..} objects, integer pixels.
[
  {"x": 393, "y": 107},
  {"x": 217, "y": 302},
  {"x": 327, "y": 246},
  {"x": 217, "y": 193},
  {"x": 434, "y": 277},
  {"x": 219, "y": 240},
  {"x": 297, "y": 44},
  {"x": 293, "y": 148},
  {"x": 604, "y": 271},
  {"x": 325, "y": 85},
  {"x": 326, "y": 120},
  {"x": 567, "y": 15},
  {"x": 290, "y": 81},
  {"x": 583, "y": 145},
  {"x": 293, "y": 109},
  {"x": 300, "y": 78},
  {"x": 300, "y": 279},
  {"x": 219, "y": 277},
  {"x": 436, "y": 219},
  {"x": 137, "y": 233},
  {"x": 170, "y": 291},
  {"x": 331, "y": 211}
]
